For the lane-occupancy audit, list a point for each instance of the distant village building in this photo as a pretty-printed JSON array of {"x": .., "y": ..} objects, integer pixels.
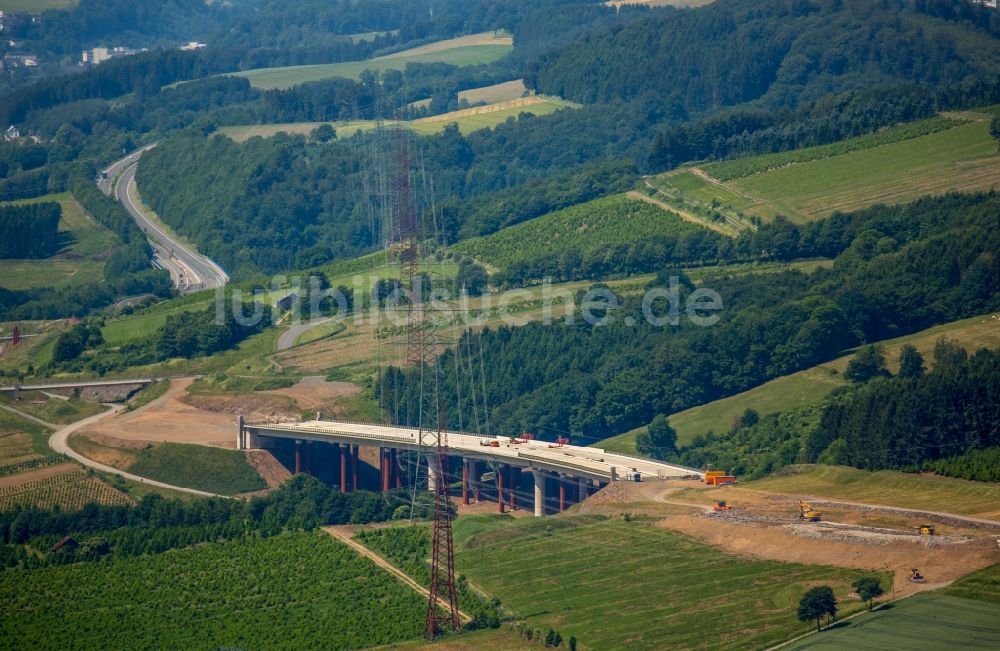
[
  {"x": 192, "y": 45},
  {"x": 11, "y": 134},
  {"x": 287, "y": 302},
  {"x": 10, "y": 21},
  {"x": 12, "y": 60},
  {"x": 99, "y": 55}
]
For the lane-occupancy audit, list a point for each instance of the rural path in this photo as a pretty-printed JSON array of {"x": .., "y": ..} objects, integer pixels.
[
  {"x": 708, "y": 178},
  {"x": 343, "y": 534},
  {"x": 683, "y": 214},
  {"x": 30, "y": 417},
  {"x": 287, "y": 338},
  {"x": 822, "y": 501},
  {"x": 60, "y": 443}
]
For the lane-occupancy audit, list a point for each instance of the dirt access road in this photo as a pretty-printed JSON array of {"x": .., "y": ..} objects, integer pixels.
[
  {"x": 344, "y": 534},
  {"x": 60, "y": 443}
]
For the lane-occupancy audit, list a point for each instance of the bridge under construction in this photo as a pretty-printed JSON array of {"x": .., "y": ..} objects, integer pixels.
[{"x": 571, "y": 471}]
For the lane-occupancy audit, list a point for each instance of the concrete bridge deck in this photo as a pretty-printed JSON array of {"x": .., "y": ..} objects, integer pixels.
[{"x": 579, "y": 461}]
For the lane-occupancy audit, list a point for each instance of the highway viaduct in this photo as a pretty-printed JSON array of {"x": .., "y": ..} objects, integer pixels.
[{"x": 572, "y": 472}]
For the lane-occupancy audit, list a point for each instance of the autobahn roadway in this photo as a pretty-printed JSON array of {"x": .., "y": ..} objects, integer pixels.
[{"x": 189, "y": 270}]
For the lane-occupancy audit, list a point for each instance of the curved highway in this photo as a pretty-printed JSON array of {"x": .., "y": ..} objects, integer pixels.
[{"x": 189, "y": 270}]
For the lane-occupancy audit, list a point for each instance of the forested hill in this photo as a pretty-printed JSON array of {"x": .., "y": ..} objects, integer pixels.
[
  {"x": 898, "y": 270},
  {"x": 782, "y": 52}
]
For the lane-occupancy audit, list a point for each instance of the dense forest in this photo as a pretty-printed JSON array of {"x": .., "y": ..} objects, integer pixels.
[
  {"x": 30, "y": 231},
  {"x": 896, "y": 270},
  {"x": 775, "y": 51}
]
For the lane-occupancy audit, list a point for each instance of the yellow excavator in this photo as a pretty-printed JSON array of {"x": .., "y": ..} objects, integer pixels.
[
  {"x": 806, "y": 512},
  {"x": 916, "y": 576},
  {"x": 925, "y": 529}
]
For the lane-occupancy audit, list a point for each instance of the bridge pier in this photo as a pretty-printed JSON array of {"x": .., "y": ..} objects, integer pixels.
[
  {"x": 385, "y": 468},
  {"x": 309, "y": 458},
  {"x": 396, "y": 470},
  {"x": 465, "y": 483},
  {"x": 539, "y": 478},
  {"x": 562, "y": 492},
  {"x": 512, "y": 491},
  {"x": 499, "y": 475},
  {"x": 354, "y": 451},
  {"x": 477, "y": 479},
  {"x": 298, "y": 456},
  {"x": 431, "y": 473},
  {"x": 344, "y": 453}
]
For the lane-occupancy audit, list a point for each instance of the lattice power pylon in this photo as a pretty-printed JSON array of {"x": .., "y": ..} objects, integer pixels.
[
  {"x": 409, "y": 236},
  {"x": 442, "y": 548}
]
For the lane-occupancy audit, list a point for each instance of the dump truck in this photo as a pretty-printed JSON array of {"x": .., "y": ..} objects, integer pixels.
[
  {"x": 719, "y": 478},
  {"x": 806, "y": 512}
]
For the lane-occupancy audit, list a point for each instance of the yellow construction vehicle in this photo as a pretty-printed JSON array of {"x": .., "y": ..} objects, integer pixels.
[
  {"x": 806, "y": 512},
  {"x": 925, "y": 529},
  {"x": 916, "y": 576},
  {"x": 721, "y": 506}
]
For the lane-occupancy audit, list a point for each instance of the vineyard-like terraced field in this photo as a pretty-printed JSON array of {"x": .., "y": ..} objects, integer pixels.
[
  {"x": 70, "y": 491},
  {"x": 583, "y": 228},
  {"x": 292, "y": 591},
  {"x": 894, "y": 165},
  {"x": 16, "y": 448}
]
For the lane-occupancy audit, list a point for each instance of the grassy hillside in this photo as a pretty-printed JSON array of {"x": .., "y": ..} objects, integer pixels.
[
  {"x": 462, "y": 51},
  {"x": 297, "y": 590},
  {"x": 891, "y": 166},
  {"x": 35, "y": 6},
  {"x": 925, "y": 622},
  {"x": 811, "y": 385},
  {"x": 664, "y": 589},
  {"x": 468, "y": 120},
  {"x": 983, "y": 585},
  {"x": 886, "y": 487},
  {"x": 80, "y": 261},
  {"x": 210, "y": 469},
  {"x": 584, "y": 227}
]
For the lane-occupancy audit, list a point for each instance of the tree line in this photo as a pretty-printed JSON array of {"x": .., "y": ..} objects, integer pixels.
[
  {"x": 157, "y": 524},
  {"x": 30, "y": 231}
]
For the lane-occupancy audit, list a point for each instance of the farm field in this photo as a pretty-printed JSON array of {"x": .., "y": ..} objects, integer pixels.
[
  {"x": 468, "y": 120},
  {"x": 69, "y": 490},
  {"x": 934, "y": 156},
  {"x": 812, "y": 385},
  {"x": 462, "y": 51},
  {"x": 924, "y": 622},
  {"x": 219, "y": 595},
  {"x": 496, "y": 93},
  {"x": 35, "y": 6},
  {"x": 584, "y": 227},
  {"x": 665, "y": 589},
  {"x": 887, "y": 487},
  {"x": 80, "y": 261}
]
